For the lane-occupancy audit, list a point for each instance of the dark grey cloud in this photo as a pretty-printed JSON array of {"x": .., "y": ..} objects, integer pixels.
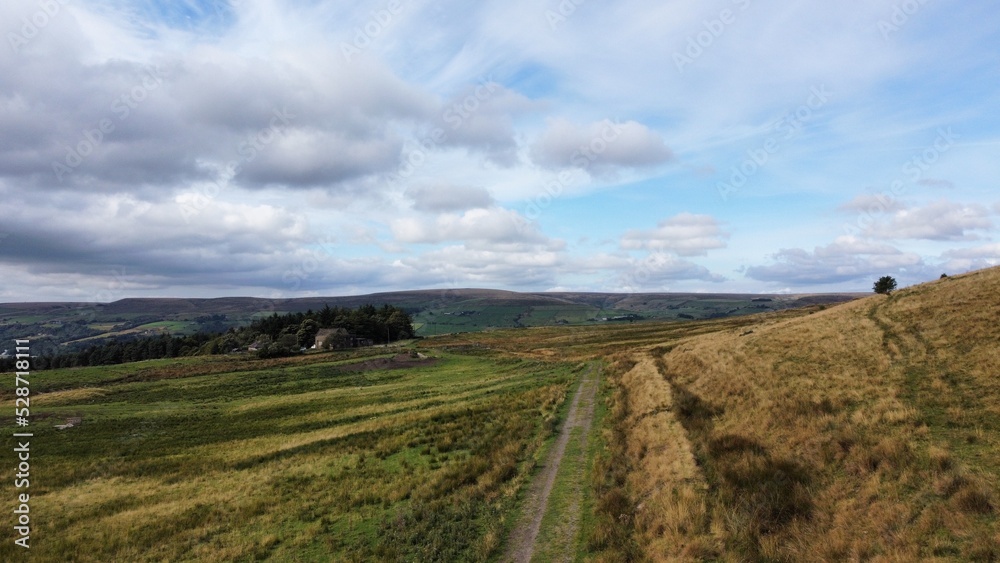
[{"x": 106, "y": 231}]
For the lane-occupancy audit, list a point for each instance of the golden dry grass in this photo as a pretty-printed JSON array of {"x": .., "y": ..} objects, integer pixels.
[
  {"x": 670, "y": 517},
  {"x": 864, "y": 431}
]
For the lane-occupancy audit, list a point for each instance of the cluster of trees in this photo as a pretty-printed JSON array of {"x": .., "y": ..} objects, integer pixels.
[
  {"x": 281, "y": 335},
  {"x": 275, "y": 335}
]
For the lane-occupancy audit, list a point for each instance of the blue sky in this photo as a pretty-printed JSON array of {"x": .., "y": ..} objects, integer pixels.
[{"x": 280, "y": 149}]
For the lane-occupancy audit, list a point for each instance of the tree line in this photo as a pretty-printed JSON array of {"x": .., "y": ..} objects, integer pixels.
[
  {"x": 270, "y": 336},
  {"x": 124, "y": 350}
]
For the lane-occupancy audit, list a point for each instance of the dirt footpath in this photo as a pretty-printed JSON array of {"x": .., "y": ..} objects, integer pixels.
[{"x": 521, "y": 544}]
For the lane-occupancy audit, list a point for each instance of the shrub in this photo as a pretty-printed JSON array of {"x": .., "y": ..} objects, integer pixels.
[{"x": 885, "y": 285}]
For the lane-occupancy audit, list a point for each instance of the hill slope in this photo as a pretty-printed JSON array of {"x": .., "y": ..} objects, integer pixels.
[
  {"x": 865, "y": 431},
  {"x": 434, "y": 311}
]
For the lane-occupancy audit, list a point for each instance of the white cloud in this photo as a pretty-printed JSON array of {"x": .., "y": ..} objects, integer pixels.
[
  {"x": 657, "y": 271},
  {"x": 849, "y": 245},
  {"x": 524, "y": 268},
  {"x": 873, "y": 204},
  {"x": 685, "y": 234},
  {"x": 942, "y": 220},
  {"x": 846, "y": 259},
  {"x": 493, "y": 226},
  {"x": 965, "y": 259}
]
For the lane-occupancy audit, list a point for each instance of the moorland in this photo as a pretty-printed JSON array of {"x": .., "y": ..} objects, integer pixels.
[{"x": 864, "y": 430}]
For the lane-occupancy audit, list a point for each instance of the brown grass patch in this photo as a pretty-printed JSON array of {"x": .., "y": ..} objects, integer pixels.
[{"x": 858, "y": 432}]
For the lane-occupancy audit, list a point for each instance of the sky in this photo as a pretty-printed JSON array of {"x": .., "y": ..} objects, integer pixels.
[{"x": 210, "y": 148}]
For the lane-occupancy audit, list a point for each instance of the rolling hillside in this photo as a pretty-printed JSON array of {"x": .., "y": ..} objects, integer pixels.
[
  {"x": 861, "y": 431},
  {"x": 434, "y": 312},
  {"x": 864, "y": 431}
]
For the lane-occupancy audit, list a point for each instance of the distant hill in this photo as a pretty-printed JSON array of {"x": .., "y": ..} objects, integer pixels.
[
  {"x": 436, "y": 311},
  {"x": 864, "y": 431}
]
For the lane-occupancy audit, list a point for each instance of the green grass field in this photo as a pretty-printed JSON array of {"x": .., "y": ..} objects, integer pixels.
[
  {"x": 316, "y": 458},
  {"x": 173, "y": 327}
]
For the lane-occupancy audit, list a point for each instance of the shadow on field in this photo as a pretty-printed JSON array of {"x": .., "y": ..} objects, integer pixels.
[
  {"x": 754, "y": 493},
  {"x": 758, "y": 494}
]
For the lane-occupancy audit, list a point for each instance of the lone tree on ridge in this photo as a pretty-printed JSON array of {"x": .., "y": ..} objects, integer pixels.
[{"x": 885, "y": 285}]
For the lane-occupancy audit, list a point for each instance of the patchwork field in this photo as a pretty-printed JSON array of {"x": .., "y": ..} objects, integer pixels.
[{"x": 312, "y": 459}]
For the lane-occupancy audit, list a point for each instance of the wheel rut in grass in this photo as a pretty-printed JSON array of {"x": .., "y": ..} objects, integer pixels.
[{"x": 522, "y": 540}]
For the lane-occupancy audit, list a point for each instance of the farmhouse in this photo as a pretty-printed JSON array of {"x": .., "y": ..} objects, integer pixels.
[
  {"x": 339, "y": 338},
  {"x": 336, "y": 337}
]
